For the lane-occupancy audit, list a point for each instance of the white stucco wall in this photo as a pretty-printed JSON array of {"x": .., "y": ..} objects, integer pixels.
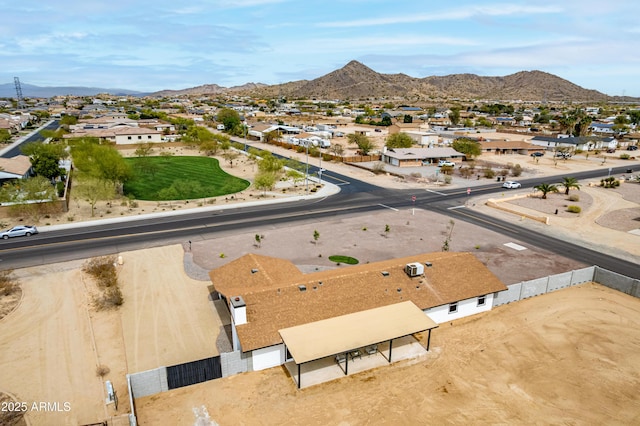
[
  {"x": 271, "y": 356},
  {"x": 440, "y": 314},
  {"x": 135, "y": 139}
]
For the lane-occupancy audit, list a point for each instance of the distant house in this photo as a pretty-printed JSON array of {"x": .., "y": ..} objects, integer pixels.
[
  {"x": 267, "y": 295},
  {"x": 18, "y": 167},
  {"x": 583, "y": 143},
  {"x": 416, "y": 157},
  {"x": 507, "y": 147},
  {"x": 120, "y": 135},
  {"x": 602, "y": 128}
]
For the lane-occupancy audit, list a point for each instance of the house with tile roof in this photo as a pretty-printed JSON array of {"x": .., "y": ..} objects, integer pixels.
[
  {"x": 18, "y": 167},
  {"x": 266, "y": 295},
  {"x": 416, "y": 157}
]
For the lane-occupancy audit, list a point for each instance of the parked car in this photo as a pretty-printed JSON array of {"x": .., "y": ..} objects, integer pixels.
[
  {"x": 446, "y": 163},
  {"x": 611, "y": 150},
  {"x": 511, "y": 184},
  {"x": 563, "y": 155},
  {"x": 537, "y": 154},
  {"x": 632, "y": 148},
  {"x": 19, "y": 231},
  {"x": 378, "y": 130}
]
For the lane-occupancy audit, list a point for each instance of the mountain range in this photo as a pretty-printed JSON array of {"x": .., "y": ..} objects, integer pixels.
[
  {"x": 357, "y": 81},
  {"x": 8, "y": 90}
]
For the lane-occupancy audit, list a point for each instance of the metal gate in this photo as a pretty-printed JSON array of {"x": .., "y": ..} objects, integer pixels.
[{"x": 194, "y": 372}]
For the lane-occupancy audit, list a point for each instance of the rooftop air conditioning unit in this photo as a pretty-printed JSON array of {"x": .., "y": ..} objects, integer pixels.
[{"x": 414, "y": 269}]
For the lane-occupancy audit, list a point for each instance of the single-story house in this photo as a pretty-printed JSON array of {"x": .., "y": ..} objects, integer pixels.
[
  {"x": 507, "y": 147},
  {"x": 120, "y": 135},
  {"x": 266, "y": 295},
  {"x": 583, "y": 143},
  {"x": 426, "y": 139},
  {"x": 416, "y": 157},
  {"x": 18, "y": 167}
]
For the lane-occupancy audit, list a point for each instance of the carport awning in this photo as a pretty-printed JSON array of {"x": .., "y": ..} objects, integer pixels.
[{"x": 336, "y": 335}]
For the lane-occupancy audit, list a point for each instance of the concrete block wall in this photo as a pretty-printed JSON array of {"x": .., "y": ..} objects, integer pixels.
[
  {"x": 511, "y": 294},
  {"x": 534, "y": 288},
  {"x": 618, "y": 282},
  {"x": 149, "y": 382},
  {"x": 233, "y": 363},
  {"x": 525, "y": 289}
]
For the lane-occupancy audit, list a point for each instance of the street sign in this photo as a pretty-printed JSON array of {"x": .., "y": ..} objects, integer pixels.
[{"x": 468, "y": 191}]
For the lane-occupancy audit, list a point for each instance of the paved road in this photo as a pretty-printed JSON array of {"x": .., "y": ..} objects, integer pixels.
[
  {"x": 35, "y": 136},
  {"x": 87, "y": 241}
]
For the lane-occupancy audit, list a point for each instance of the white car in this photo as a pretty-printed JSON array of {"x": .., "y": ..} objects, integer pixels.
[
  {"x": 511, "y": 184},
  {"x": 446, "y": 163},
  {"x": 19, "y": 231}
]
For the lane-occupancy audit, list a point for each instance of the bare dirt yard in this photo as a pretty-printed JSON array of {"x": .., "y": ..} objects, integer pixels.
[{"x": 568, "y": 357}]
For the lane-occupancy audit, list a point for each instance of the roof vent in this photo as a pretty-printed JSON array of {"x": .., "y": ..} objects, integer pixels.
[
  {"x": 428, "y": 264},
  {"x": 385, "y": 273},
  {"x": 399, "y": 290},
  {"x": 253, "y": 271},
  {"x": 414, "y": 269},
  {"x": 319, "y": 282},
  {"x": 302, "y": 287}
]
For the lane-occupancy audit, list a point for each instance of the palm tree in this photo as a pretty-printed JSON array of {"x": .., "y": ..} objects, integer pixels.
[
  {"x": 568, "y": 183},
  {"x": 545, "y": 188}
]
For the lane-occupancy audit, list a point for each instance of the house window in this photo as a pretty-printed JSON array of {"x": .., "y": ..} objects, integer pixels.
[
  {"x": 149, "y": 137},
  {"x": 453, "y": 308},
  {"x": 129, "y": 137},
  {"x": 482, "y": 300},
  {"x": 139, "y": 137}
]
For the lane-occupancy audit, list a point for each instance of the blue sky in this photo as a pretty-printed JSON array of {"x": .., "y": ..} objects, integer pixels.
[{"x": 160, "y": 44}]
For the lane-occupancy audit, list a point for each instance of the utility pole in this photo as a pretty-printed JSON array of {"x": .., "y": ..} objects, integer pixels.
[{"x": 16, "y": 81}]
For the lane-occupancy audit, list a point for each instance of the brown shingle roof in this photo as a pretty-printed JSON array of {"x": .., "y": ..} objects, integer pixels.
[{"x": 274, "y": 300}]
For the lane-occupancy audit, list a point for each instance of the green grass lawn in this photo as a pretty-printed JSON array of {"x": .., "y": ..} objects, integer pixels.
[
  {"x": 344, "y": 259},
  {"x": 179, "y": 178}
]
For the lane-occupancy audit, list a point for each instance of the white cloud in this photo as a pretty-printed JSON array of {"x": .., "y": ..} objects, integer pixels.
[{"x": 451, "y": 15}]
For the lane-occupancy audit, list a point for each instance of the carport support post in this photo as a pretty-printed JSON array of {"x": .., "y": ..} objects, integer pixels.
[
  {"x": 428, "y": 340},
  {"x": 299, "y": 376},
  {"x": 390, "y": 347},
  {"x": 346, "y": 364}
]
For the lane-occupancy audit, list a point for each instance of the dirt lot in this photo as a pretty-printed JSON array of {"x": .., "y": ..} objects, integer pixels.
[
  {"x": 501, "y": 367},
  {"x": 569, "y": 357}
]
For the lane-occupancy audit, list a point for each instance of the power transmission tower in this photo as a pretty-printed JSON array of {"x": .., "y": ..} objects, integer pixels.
[{"x": 16, "y": 81}]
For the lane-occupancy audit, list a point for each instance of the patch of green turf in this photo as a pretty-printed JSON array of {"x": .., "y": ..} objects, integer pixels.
[
  {"x": 344, "y": 259},
  {"x": 179, "y": 178}
]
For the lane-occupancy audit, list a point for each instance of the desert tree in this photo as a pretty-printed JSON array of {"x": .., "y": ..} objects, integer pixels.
[
  {"x": 399, "y": 140},
  {"x": 568, "y": 183},
  {"x": 364, "y": 144},
  {"x": 469, "y": 147},
  {"x": 545, "y": 188}
]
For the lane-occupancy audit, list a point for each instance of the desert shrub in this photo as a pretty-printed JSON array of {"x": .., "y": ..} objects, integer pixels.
[
  {"x": 466, "y": 172},
  {"x": 488, "y": 172},
  {"x": 574, "y": 209},
  {"x": 447, "y": 179},
  {"x": 446, "y": 170},
  {"x": 504, "y": 172},
  {"x": 102, "y": 370},
  {"x": 516, "y": 170},
  {"x": 416, "y": 175},
  {"x": 111, "y": 297},
  {"x": 8, "y": 282},
  {"x": 610, "y": 182},
  {"x": 378, "y": 168},
  {"x": 103, "y": 270},
  {"x": 574, "y": 197},
  {"x": 624, "y": 156}
]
